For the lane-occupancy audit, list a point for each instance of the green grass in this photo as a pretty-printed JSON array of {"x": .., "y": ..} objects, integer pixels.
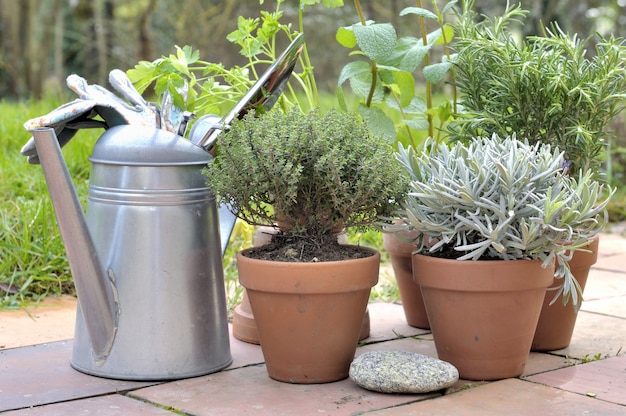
[{"x": 32, "y": 256}]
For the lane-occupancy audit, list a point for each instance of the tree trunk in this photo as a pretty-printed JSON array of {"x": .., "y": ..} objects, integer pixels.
[{"x": 144, "y": 52}]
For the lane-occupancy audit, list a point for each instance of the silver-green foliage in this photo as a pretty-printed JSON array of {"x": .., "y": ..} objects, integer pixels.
[{"x": 502, "y": 199}]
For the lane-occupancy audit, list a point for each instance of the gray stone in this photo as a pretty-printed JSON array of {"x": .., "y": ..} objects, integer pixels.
[{"x": 402, "y": 372}]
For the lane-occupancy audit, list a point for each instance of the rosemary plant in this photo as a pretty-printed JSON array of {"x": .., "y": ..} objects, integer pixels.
[
  {"x": 547, "y": 89},
  {"x": 501, "y": 199}
]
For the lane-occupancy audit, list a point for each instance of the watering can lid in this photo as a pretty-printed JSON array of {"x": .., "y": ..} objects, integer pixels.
[{"x": 146, "y": 146}]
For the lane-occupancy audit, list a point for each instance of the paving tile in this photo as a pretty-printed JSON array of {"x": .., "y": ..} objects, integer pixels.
[
  {"x": 50, "y": 320},
  {"x": 249, "y": 391},
  {"x": 596, "y": 334},
  {"x": 387, "y": 322},
  {"x": 613, "y": 262},
  {"x": 604, "y": 379},
  {"x": 419, "y": 346},
  {"x": 41, "y": 374},
  {"x": 540, "y": 362},
  {"x": 507, "y": 397},
  {"x": 537, "y": 362},
  {"x": 603, "y": 284},
  {"x": 112, "y": 405},
  {"x": 611, "y": 244},
  {"x": 614, "y": 306},
  {"x": 244, "y": 353}
]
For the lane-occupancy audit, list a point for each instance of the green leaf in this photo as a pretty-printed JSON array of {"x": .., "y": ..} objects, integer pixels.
[
  {"x": 376, "y": 40},
  {"x": 407, "y": 54},
  {"x": 345, "y": 37},
  {"x": 418, "y": 123},
  {"x": 448, "y": 6},
  {"x": 361, "y": 87},
  {"x": 142, "y": 75},
  {"x": 341, "y": 99},
  {"x": 445, "y": 111},
  {"x": 419, "y": 11},
  {"x": 326, "y": 3},
  {"x": 448, "y": 30},
  {"x": 353, "y": 69},
  {"x": 378, "y": 122},
  {"x": 416, "y": 106},
  {"x": 332, "y": 3},
  {"x": 434, "y": 37},
  {"x": 435, "y": 72},
  {"x": 406, "y": 85}
]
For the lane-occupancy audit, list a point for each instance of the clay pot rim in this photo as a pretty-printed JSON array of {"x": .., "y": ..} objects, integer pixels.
[
  {"x": 330, "y": 276},
  {"x": 298, "y": 264},
  {"x": 475, "y": 276}
]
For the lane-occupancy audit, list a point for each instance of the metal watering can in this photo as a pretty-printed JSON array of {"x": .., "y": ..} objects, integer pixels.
[{"x": 147, "y": 256}]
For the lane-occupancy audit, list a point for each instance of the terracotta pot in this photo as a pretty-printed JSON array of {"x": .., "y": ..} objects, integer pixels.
[
  {"x": 400, "y": 253},
  {"x": 309, "y": 315},
  {"x": 244, "y": 326},
  {"x": 557, "y": 321},
  {"x": 483, "y": 314}
]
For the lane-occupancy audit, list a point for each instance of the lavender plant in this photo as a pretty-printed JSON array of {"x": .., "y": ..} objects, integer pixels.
[{"x": 501, "y": 199}]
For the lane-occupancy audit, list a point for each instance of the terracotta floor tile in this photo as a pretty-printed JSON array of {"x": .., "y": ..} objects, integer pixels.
[
  {"x": 244, "y": 353},
  {"x": 604, "y": 379},
  {"x": 508, "y": 397},
  {"x": 249, "y": 391},
  {"x": 596, "y": 334},
  {"x": 611, "y": 244},
  {"x": 419, "y": 346},
  {"x": 41, "y": 374},
  {"x": 614, "y": 306},
  {"x": 603, "y": 284},
  {"x": 112, "y": 405},
  {"x": 539, "y": 363},
  {"x": 387, "y": 321},
  {"x": 614, "y": 262},
  {"x": 51, "y": 320}
]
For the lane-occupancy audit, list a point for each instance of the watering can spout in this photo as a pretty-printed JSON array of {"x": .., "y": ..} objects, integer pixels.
[{"x": 96, "y": 290}]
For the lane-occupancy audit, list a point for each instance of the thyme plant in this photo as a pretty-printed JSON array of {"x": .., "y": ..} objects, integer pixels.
[
  {"x": 501, "y": 199},
  {"x": 547, "y": 89},
  {"x": 312, "y": 172}
]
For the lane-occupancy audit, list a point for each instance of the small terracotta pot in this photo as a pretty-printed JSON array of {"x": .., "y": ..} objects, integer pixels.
[
  {"x": 400, "y": 253},
  {"x": 557, "y": 321},
  {"x": 483, "y": 314},
  {"x": 309, "y": 315}
]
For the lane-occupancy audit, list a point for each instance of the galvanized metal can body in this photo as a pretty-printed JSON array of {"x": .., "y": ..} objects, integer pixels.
[{"x": 155, "y": 226}]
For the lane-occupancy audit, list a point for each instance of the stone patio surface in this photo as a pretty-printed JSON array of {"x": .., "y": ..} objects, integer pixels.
[{"x": 587, "y": 378}]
